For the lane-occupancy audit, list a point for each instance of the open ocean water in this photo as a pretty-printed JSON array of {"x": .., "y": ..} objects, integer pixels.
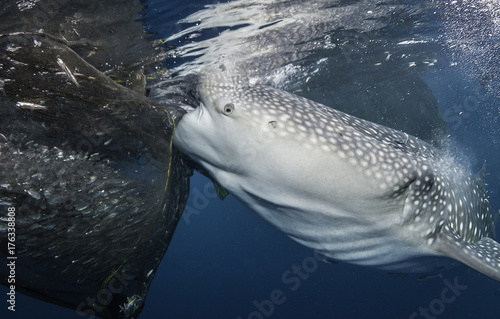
[{"x": 224, "y": 261}]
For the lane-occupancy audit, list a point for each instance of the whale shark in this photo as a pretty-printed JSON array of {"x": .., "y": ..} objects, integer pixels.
[{"x": 353, "y": 190}]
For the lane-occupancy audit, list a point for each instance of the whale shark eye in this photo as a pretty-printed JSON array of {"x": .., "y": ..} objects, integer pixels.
[{"x": 228, "y": 109}]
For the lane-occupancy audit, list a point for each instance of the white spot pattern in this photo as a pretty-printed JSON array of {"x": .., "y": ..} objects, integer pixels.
[{"x": 440, "y": 199}]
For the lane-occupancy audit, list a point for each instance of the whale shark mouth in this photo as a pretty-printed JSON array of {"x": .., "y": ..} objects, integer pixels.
[
  {"x": 187, "y": 108},
  {"x": 180, "y": 91}
]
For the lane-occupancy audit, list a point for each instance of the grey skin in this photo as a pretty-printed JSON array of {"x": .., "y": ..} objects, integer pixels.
[{"x": 353, "y": 190}]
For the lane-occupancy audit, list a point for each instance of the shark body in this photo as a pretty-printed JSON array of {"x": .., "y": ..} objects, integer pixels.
[{"x": 351, "y": 189}]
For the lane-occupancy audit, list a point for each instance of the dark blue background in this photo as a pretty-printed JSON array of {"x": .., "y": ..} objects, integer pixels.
[{"x": 226, "y": 259}]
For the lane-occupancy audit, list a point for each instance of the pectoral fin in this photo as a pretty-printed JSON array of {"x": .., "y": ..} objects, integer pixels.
[{"x": 483, "y": 255}]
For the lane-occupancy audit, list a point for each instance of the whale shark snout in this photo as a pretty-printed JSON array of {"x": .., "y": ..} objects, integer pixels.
[{"x": 351, "y": 189}]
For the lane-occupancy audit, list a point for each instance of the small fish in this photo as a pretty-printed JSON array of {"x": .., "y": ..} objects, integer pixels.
[
  {"x": 30, "y": 106},
  {"x": 68, "y": 72},
  {"x": 426, "y": 277}
]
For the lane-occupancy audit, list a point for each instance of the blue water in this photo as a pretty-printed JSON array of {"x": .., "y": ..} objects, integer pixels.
[{"x": 225, "y": 262}]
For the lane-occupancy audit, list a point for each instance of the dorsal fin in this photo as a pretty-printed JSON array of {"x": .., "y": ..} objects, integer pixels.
[{"x": 480, "y": 176}]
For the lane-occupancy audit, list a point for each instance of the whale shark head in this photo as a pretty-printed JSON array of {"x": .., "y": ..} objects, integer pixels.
[
  {"x": 351, "y": 189},
  {"x": 216, "y": 119}
]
